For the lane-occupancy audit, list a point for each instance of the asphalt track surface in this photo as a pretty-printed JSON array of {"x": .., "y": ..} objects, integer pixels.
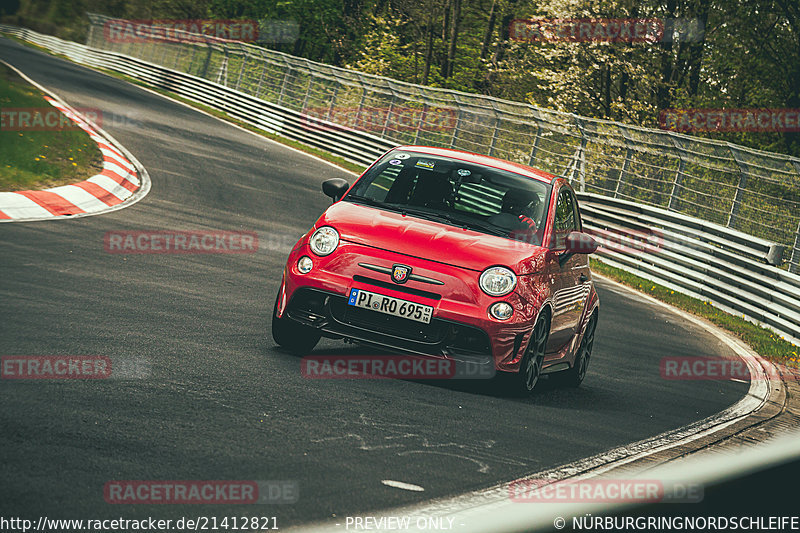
[{"x": 219, "y": 401}]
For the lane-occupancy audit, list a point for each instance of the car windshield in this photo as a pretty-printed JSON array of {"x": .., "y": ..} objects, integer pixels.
[{"x": 458, "y": 193}]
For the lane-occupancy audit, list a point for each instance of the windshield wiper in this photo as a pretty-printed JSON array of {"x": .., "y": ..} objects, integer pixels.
[
  {"x": 458, "y": 221},
  {"x": 488, "y": 228},
  {"x": 372, "y": 202},
  {"x": 363, "y": 200},
  {"x": 440, "y": 217}
]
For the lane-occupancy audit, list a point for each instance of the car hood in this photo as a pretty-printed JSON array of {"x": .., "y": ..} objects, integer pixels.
[{"x": 426, "y": 239}]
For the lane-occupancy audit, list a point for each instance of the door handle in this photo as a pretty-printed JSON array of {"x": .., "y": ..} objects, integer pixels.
[{"x": 583, "y": 278}]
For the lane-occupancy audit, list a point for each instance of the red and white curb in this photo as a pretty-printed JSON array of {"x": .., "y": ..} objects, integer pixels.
[{"x": 122, "y": 182}]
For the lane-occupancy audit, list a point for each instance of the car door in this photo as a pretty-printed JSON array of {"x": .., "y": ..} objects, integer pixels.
[{"x": 571, "y": 275}]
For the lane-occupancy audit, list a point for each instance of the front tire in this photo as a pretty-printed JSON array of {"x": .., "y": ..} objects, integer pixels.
[
  {"x": 575, "y": 375},
  {"x": 530, "y": 368},
  {"x": 294, "y": 337}
]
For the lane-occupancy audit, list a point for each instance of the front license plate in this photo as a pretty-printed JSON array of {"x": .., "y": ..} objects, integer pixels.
[{"x": 390, "y": 305}]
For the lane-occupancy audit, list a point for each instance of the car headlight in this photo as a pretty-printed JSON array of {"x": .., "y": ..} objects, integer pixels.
[
  {"x": 324, "y": 241},
  {"x": 497, "y": 281}
]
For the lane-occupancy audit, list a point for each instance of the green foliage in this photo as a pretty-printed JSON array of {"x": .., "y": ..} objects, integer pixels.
[{"x": 748, "y": 54}]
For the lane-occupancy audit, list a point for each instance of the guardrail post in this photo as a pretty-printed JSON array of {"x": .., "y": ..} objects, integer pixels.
[
  {"x": 388, "y": 114},
  {"x": 191, "y": 59},
  {"x": 737, "y": 199},
  {"x": 361, "y": 100},
  {"x": 457, "y": 128},
  {"x": 261, "y": 79},
  {"x": 286, "y": 74},
  {"x": 580, "y": 164},
  {"x": 535, "y": 147},
  {"x": 222, "y": 75},
  {"x": 177, "y": 58},
  {"x": 207, "y": 62},
  {"x": 678, "y": 181},
  {"x": 494, "y": 135},
  {"x": 241, "y": 71},
  {"x": 130, "y": 49},
  {"x": 308, "y": 91},
  {"x": 154, "y": 49},
  {"x": 496, "y": 128},
  {"x": 165, "y": 46},
  {"x": 419, "y": 124},
  {"x": 625, "y": 165},
  {"x": 90, "y": 36}
]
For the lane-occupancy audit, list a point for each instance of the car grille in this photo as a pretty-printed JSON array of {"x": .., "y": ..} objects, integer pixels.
[
  {"x": 432, "y": 333},
  {"x": 396, "y": 287},
  {"x": 330, "y": 313}
]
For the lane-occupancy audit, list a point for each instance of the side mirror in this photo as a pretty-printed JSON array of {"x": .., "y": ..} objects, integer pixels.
[
  {"x": 580, "y": 243},
  {"x": 335, "y": 188}
]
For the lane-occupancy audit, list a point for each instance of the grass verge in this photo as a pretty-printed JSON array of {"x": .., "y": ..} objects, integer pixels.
[
  {"x": 32, "y": 159},
  {"x": 762, "y": 340}
]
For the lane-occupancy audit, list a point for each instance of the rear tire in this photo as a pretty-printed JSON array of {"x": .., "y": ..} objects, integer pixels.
[
  {"x": 575, "y": 375},
  {"x": 530, "y": 368},
  {"x": 294, "y": 337}
]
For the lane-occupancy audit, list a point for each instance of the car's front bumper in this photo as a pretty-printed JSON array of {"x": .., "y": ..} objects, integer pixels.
[{"x": 461, "y": 328}]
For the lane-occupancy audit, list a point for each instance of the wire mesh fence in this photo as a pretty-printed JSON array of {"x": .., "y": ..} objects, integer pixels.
[{"x": 748, "y": 190}]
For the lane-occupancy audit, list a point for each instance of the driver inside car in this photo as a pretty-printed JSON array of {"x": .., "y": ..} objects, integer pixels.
[{"x": 517, "y": 215}]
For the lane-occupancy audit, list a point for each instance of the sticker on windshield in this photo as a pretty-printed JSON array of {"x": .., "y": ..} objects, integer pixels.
[
  {"x": 425, "y": 163},
  {"x": 402, "y": 156},
  {"x": 463, "y": 172},
  {"x": 395, "y": 162}
]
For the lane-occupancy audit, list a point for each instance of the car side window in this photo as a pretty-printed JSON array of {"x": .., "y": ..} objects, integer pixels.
[
  {"x": 566, "y": 219},
  {"x": 382, "y": 185}
]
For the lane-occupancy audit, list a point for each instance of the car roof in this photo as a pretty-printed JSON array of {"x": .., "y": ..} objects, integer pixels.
[{"x": 486, "y": 160}]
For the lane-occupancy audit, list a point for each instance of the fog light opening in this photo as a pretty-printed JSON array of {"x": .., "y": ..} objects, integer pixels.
[
  {"x": 501, "y": 310},
  {"x": 305, "y": 264}
]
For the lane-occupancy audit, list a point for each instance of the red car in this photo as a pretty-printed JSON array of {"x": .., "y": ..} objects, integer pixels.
[{"x": 447, "y": 254}]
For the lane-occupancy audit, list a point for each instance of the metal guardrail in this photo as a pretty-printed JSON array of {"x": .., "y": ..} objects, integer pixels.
[
  {"x": 744, "y": 189},
  {"x": 703, "y": 260},
  {"x": 710, "y": 261}
]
